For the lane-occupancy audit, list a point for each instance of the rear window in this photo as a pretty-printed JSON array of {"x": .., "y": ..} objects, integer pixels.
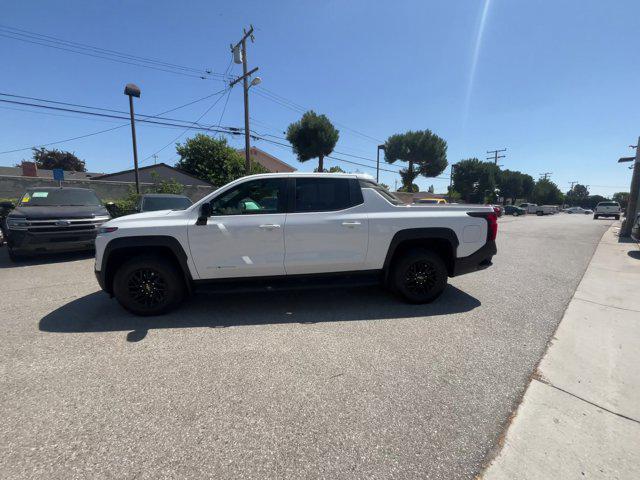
[
  {"x": 165, "y": 203},
  {"x": 608, "y": 204},
  {"x": 59, "y": 197},
  {"x": 390, "y": 197},
  {"x": 325, "y": 194}
]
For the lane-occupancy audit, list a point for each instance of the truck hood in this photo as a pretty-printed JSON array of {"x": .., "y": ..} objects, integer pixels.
[
  {"x": 141, "y": 216},
  {"x": 55, "y": 212}
]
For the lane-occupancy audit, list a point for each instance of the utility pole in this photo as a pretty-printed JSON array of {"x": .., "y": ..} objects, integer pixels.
[
  {"x": 545, "y": 175},
  {"x": 495, "y": 155},
  {"x": 634, "y": 191},
  {"x": 155, "y": 158},
  {"x": 572, "y": 184},
  {"x": 242, "y": 45}
]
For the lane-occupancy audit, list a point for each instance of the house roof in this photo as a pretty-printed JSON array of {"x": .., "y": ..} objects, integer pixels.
[
  {"x": 44, "y": 173},
  {"x": 149, "y": 167},
  {"x": 255, "y": 150}
]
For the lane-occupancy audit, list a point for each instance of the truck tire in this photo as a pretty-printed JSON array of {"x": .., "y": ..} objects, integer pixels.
[
  {"x": 595, "y": 217},
  {"x": 14, "y": 257},
  {"x": 418, "y": 276},
  {"x": 148, "y": 285},
  {"x": 617, "y": 217},
  {"x": 540, "y": 213}
]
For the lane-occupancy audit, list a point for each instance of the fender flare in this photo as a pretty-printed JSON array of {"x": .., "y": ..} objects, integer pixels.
[
  {"x": 429, "y": 233},
  {"x": 146, "y": 241}
]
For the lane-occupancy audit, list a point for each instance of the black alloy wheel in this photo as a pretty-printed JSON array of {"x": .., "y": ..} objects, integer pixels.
[{"x": 419, "y": 276}]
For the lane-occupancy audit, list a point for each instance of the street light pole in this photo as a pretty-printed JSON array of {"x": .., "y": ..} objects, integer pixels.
[
  {"x": 380, "y": 147},
  {"x": 132, "y": 90}
]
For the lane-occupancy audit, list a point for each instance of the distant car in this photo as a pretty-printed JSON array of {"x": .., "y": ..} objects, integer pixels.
[
  {"x": 635, "y": 229},
  {"x": 545, "y": 210},
  {"x": 529, "y": 207},
  {"x": 430, "y": 201},
  {"x": 498, "y": 209},
  {"x": 513, "y": 210},
  {"x": 607, "y": 209},
  {"x": 584, "y": 211},
  {"x": 151, "y": 202}
]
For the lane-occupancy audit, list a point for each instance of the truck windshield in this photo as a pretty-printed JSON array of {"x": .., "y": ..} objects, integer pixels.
[{"x": 59, "y": 197}]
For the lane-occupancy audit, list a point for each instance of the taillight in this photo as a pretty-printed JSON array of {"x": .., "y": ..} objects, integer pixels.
[{"x": 492, "y": 223}]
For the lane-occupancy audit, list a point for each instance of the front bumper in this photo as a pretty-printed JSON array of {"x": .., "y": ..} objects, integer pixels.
[
  {"x": 478, "y": 260},
  {"x": 25, "y": 242}
]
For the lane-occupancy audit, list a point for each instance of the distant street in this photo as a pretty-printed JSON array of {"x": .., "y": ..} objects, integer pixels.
[{"x": 314, "y": 384}]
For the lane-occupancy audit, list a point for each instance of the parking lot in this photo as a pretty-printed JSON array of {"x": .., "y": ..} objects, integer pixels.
[{"x": 347, "y": 383}]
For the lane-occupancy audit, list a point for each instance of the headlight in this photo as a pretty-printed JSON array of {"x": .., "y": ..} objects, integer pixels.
[
  {"x": 17, "y": 223},
  {"x": 103, "y": 230}
]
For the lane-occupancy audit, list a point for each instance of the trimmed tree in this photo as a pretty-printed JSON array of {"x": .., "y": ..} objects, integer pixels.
[
  {"x": 313, "y": 136},
  {"x": 50, "y": 159},
  {"x": 547, "y": 193},
  {"x": 424, "y": 152}
]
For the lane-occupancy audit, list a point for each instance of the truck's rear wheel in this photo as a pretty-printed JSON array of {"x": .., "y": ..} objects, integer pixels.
[
  {"x": 148, "y": 286},
  {"x": 419, "y": 276}
]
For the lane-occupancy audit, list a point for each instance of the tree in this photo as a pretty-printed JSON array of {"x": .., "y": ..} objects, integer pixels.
[
  {"x": 314, "y": 136},
  {"x": 577, "y": 195},
  {"x": 622, "y": 198},
  {"x": 528, "y": 184},
  {"x": 431, "y": 189},
  {"x": 334, "y": 169},
  {"x": 212, "y": 160},
  {"x": 422, "y": 149},
  {"x": 546, "y": 192},
  {"x": 384, "y": 185},
  {"x": 413, "y": 188},
  {"x": 511, "y": 185},
  {"x": 476, "y": 181},
  {"x": 50, "y": 159}
]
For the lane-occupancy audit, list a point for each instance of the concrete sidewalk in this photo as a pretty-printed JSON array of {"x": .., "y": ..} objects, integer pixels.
[{"x": 580, "y": 416}]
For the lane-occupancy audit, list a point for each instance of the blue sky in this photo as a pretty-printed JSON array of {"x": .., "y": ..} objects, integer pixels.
[{"x": 555, "y": 82}]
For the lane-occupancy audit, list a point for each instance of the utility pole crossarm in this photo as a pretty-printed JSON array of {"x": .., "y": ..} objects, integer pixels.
[{"x": 248, "y": 74}]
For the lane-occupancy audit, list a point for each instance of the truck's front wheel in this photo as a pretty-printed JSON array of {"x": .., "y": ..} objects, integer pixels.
[
  {"x": 148, "y": 286},
  {"x": 419, "y": 276}
]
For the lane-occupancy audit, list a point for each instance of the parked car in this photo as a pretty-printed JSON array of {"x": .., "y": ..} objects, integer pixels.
[
  {"x": 151, "y": 202},
  {"x": 529, "y": 207},
  {"x": 607, "y": 209},
  {"x": 54, "y": 220},
  {"x": 545, "y": 210},
  {"x": 584, "y": 211},
  {"x": 292, "y": 229},
  {"x": 513, "y": 210},
  {"x": 635, "y": 229},
  {"x": 430, "y": 201}
]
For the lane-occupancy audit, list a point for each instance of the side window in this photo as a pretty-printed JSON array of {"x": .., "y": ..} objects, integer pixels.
[
  {"x": 252, "y": 198},
  {"x": 323, "y": 194}
]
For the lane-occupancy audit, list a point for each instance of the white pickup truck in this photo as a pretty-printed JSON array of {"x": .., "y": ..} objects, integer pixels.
[
  {"x": 288, "y": 230},
  {"x": 607, "y": 209}
]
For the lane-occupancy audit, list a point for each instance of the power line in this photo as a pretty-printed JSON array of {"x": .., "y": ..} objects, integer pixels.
[
  {"x": 95, "y": 114},
  {"x": 154, "y": 154},
  {"x": 106, "y": 51}
]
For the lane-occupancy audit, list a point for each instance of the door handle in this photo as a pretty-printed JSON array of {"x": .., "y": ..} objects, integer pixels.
[
  {"x": 269, "y": 226},
  {"x": 350, "y": 224}
]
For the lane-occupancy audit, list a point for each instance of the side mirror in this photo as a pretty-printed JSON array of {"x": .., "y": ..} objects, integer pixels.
[
  {"x": 110, "y": 206},
  {"x": 205, "y": 212}
]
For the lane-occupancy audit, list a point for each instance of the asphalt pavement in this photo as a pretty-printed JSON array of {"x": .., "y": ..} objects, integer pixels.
[{"x": 347, "y": 383}]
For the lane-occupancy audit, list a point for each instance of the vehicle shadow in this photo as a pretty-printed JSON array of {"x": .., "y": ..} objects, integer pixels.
[
  {"x": 42, "y": 259},
  {"x": 634, "y": 254},
  {"x": 98, "y": 313}
]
